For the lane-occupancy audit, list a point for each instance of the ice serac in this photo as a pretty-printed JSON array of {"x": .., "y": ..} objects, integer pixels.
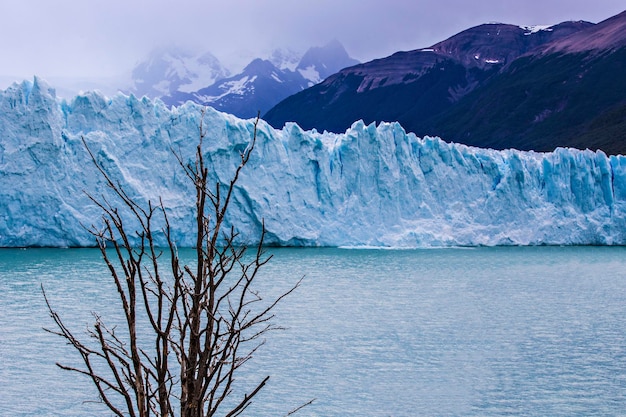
[{"x": 372, "y": 186}]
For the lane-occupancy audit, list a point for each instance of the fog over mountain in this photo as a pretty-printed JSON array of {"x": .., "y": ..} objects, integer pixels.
[
  {"x": 170, "y": 70},
  {"x": 257, "y": 88}
]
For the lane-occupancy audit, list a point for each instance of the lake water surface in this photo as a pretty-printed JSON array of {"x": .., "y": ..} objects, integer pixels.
[{"x": 535, "y": 331}]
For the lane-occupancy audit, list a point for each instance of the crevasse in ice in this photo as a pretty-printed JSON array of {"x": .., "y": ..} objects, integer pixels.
[{"x": 372, "y": 186}]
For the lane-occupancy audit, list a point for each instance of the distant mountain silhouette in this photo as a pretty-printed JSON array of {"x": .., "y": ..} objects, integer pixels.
[
  {"x": 318, "y": 63},
  {"x": 176, "y": 77},
  {"x": 257, "y": 88}
]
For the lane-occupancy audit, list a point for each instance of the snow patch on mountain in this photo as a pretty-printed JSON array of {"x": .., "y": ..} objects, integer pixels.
[
  {"x": 240, "y": 86},
  {"x": 529, "y": 30},
  {"x": 311, "y": 74},
  {"x": 207, "y": 70}
]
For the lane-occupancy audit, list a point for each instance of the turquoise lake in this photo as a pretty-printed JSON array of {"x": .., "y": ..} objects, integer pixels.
[{"x": 533, "y": 331}]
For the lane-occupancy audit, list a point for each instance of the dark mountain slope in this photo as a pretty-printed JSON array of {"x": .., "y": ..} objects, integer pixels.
[
  {"x": 415, "y": 85},
  {"x": 336, "y": 103},
  {"x": 570, "y": 93},
  {"x": 579, "y": 103}
]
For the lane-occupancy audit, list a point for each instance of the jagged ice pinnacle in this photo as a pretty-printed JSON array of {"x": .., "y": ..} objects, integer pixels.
[{"x": 372, "y": 186}]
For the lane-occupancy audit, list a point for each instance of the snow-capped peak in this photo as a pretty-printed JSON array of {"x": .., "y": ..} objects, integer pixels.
[
  {"x": 321, "y": 62},
  {"x": 285, "y": 58},
  {"x": 170, "y": 69}
]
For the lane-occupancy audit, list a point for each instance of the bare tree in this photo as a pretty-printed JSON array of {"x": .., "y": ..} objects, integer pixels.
[{"x": 206, "y": 320}]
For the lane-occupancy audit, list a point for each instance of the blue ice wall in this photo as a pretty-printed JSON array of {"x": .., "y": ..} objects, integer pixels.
[{"x": 372, "y": 186}]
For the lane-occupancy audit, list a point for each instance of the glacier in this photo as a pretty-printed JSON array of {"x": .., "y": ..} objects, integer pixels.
[{"x": 373, "y": 186}]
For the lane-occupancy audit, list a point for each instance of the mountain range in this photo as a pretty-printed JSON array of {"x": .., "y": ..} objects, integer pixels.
[
  {"x": 176, "y": 77},
  {"x": 493, "y": 86}
]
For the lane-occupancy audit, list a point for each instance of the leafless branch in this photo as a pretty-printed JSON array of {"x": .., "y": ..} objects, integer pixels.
[{"x": 208, "y": 317}]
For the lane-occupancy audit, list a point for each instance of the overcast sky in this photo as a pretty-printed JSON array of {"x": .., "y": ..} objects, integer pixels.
[{"x": 100, "y": 38}]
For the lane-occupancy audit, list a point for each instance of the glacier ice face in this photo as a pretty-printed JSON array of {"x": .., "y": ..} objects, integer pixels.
[{"x": 372, "y": 186}]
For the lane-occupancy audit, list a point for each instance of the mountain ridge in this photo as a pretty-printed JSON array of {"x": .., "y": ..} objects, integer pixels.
[
  {"x": 428, "y": 89},
  {"x": 610, "y": 33},
  {"x": 569, "y": 90}
]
